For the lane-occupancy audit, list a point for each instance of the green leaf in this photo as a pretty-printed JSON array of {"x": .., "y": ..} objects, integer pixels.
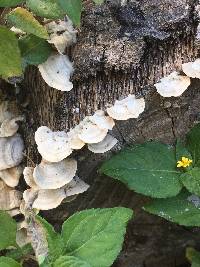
[
  {"x": 96, "y": 236},
  {"x": 8, "y": 228},
  {"x": 49, "y": 9},
  {"x": 149, "y": 169},
  {"x": 70, "y": 261},
  {"x": 73, "y": 8},
  {"x": 55, "y": 243},
  {"x": 193, "y": 144},
  {"x": 193, "y": 256},
  {"x": 177, "y": 209},
  {"x": 24, "y": 20},
  {"x": 34, "y": 50},
  {"x": 10, "y": 59},
  {"x": 10, "y": 3},
  {"x": 98, "y": 2},
  {"x": 181, "y": 151},
  {"x": 8, "y": 262},
  {"x": 19, "y": 253},
  {"x": 191, "y": 180}
]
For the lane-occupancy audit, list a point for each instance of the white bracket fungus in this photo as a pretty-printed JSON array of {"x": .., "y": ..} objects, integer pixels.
[
  {"x": 62, "y": 34},
  {"x": 49, "y": 175},
  {"x": 172, "y": 85},
  {"x": 9, "y": 198},
  {"x": 53, "y": 146},
  {"x": 128, "y": 108},
  {"x": 56, "y": 72},
  {"x": 11, "y": 151},
  {"x": 107, "y": 144},
  {"x": 192, "y": 69},
  {"x": 11, "y": 176}
]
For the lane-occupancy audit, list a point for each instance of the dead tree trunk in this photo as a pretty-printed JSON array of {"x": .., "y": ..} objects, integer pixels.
[{"x": 122, "y": 49}]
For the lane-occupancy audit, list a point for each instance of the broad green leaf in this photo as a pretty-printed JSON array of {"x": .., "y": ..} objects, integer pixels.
[
  {"x": 73, "y": 8},
  {"x": 8, "y": 262},
  {"x": 149, "y": 169},
  {"x": 193, "y": 256},
  {"x": 49, "y": 9},
  {"x": 19, "y": 253},
  {"x": 55, "y": 243},
  {"x": 24, "y": 20},
  {"x": 177, "y": 209},
  {"x": 70, "y": 261},
  {"x": 10, "y": 59},
  {"x": 191, "y": 180},
  {"x": 193, "y": 144},
  {"x": 34, "y": 50},
  {"x": 10, "y": 3},
  {"x": 98, "y": 2},
  {"x": 8, "y": 228},
  {"x": 96, "y": 236},
  {"x": 181, "y": 151}
]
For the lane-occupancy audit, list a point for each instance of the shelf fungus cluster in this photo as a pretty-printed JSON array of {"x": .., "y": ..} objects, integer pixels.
[
  {"x": 11, "y": 155},
  {"x": 128, "y": 108},
  {"x": 54, "y": 179},
  {"x": 62, "y": 34},
  {"x": 50, "y": 183},
  {"x": 176, "y": 84},
  {"x": 57, "y": 70},
  {"x": 172, "y": 85}
]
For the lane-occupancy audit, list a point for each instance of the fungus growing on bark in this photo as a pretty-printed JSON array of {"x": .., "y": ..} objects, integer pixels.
[
  {"x": 56, "y": 72},
  {"x": 11, "y": 151},
  {"x": 11, "y": 176},
  {"x": 9, "y": 198},
  {"x": 91, "y": 133},
  {"x": 53, "y": 146},
  {"x": 128, "y": 108},
  {"x": 102, "y": 121},
  {"x": 107, "y": 144},
  {"x": 172, "y": 85},
  {"x": 192, "y": 69},
  {"x": 49, "y": 175},
  {"x": 62, "y": 34}
]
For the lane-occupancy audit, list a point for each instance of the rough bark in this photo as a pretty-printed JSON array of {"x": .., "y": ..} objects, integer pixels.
[{"x": 122, "y": 50}]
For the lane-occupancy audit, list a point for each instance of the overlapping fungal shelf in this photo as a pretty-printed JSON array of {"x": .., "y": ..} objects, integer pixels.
[
  {"x": 57, "y": 70},
  {"x": 11, "y": 155}
]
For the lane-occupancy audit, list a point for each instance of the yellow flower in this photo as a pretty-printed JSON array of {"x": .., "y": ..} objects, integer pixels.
[{"x": 184, "y": 162}]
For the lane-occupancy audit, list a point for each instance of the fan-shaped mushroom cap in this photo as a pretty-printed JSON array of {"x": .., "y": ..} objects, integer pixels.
[
  {"x": 49, "y": 199},
  {"x": 11, "y": 176},
  {"x": 9, "y": 127},
  {"x": 28, "y": 177},
  {"x": 192, "y": 69},
  {"x": 128, "y": 108},
  {"x": 75, "y": 187},
  {"x": 11, "y": 151},
  {"x": 56, "y": 72},
  {"x": 9, "y": 198},
  {"x": 102, "y": 121},
  {"x": 172, "y": 85},
  {"x": 62, "y": 34},
  {"x": 90, "y": 132},
  {"x": 104, "y": 146},
  {"x": 74, "y": 141},
  {"x": 49, "y": 175},
  {"x": 53, "y": 146}
]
